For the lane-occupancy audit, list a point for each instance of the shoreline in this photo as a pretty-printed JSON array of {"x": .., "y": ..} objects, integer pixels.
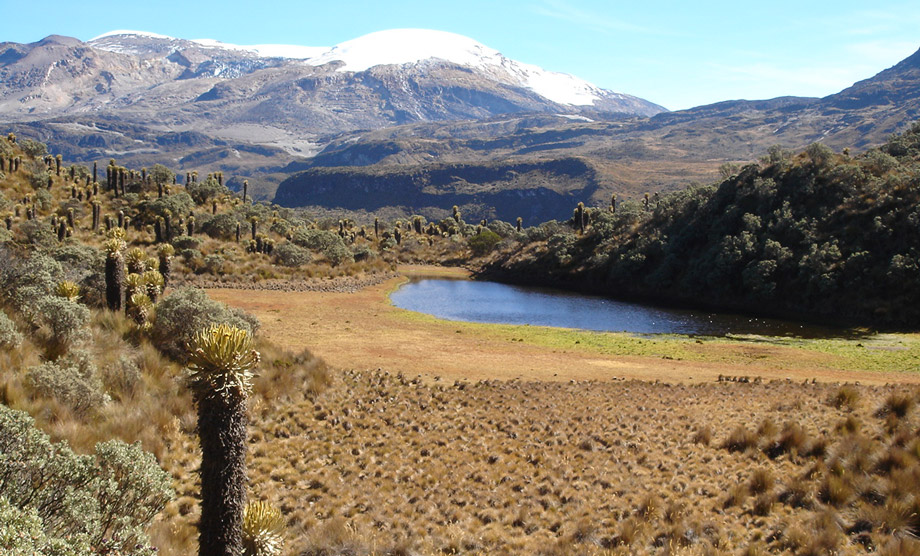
[{"x": 362, "y": 330}]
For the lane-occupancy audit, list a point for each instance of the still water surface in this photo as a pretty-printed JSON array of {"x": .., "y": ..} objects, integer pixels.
[{"x": 491, "y": 302}]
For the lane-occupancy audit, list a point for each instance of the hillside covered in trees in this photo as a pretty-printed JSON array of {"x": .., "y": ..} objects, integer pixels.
[{"x": 815, "y": 235}]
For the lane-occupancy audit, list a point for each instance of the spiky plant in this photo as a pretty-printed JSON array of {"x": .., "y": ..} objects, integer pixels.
[
  {"x": 135, "y": 259},
  {"x": 140, "y": 310},
  {"x": 114, "y": 272},
  {"x": 134, "y": 284},
  {"x": 153, "y": 283},
  {"x": 263, "y": 527},
  {"x": 221, "y": 363},
  {"x": 68, "y": 290}
]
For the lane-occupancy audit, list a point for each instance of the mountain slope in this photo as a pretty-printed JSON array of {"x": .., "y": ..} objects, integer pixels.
[{"x": 630, "y": 157}]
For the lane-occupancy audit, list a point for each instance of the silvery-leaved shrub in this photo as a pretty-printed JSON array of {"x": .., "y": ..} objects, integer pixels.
[
  {"x": 184, "y": 312},
  {"x": 72, "y": 380},
  {"x": 64, "y": 320},
  {"x": 290, "y": 254},
  {"x": 10, "y": 338},
  {"x": 75, "y": 504}
]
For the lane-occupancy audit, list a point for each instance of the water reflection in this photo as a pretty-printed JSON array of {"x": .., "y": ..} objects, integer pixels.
[{"x": 491, "y": 302}]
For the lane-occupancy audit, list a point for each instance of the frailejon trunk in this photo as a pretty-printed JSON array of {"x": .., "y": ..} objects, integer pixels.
[
  {"x": 222, "y": 433},
  {"x": 114, "y": 281}
]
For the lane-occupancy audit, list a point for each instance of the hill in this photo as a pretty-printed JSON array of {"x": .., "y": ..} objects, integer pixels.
[
  {"x": 817, "y": 235},
  {"x": 629, "y": 157}
]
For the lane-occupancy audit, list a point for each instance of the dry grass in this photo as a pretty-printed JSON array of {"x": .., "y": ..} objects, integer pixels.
[{"x": 382, "y": 461}]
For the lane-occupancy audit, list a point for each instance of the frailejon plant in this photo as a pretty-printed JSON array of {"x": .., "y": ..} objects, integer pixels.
[
  {"x": 221, "y": 363},
  {"x": 114, "y": 273},
  {"x": 263, "y": 527},
  {"x": 165, "y": 253}
]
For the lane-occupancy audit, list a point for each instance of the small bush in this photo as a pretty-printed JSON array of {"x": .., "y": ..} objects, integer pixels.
[
  {"x": 221, "y": 226},
  {"x": 72, "y": 502},
  {"x": 484, "y": 242},
  {"x": 214, "y": 264},
  {"x": 338, "y": 254},
  {"x": 290, "y": 254},
  {"x": 64, "y": 321},
  {"x": 36, "y": 233},
  {"x": 72, "y": 381},
  {"x": 182, "y": 243},
  {"x": 204, "y": 191},
  {"x": 10, "y": 338},
  {"x": 186, "y": 311}
]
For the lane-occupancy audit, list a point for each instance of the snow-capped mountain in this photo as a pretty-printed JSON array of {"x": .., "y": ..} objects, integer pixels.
[{"x": 399, "y": 47}]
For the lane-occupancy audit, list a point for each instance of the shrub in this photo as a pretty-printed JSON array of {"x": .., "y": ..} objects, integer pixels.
[
  {"x": 317, "y": 240},
  {"x": 182, "y": 243},
  {"x": 188, "y": 310},
  {"x": 75, "y": 503},
  {"x": 36, "y": 233},
  {"x": 338, "y": 254},
  {"x": 204, "y": 191},
  {"x": 364, "y": 253},
  {"x": 121, "y": 376},
  {"x": 33, "y": 148},
  {"x": 65, "y": 321},
  {"x": 73, "y": 382},
  {"x": 10, "y": 338},
  {"x": 221, "y": 226},
  {"x": 290, "y": 254},
  {"x": 214, "y": 264},
  {"x": 176, "y": 204},
  {"x": 484, "y": 242}
]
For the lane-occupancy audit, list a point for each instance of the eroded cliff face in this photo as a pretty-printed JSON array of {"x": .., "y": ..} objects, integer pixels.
[{"x": 536, "y": 192}]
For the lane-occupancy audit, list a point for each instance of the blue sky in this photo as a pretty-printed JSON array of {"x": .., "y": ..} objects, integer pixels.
[{"x": 678, "y": 54}]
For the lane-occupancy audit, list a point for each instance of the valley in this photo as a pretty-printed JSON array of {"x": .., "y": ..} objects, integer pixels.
[{"x": 198, "y": 352}]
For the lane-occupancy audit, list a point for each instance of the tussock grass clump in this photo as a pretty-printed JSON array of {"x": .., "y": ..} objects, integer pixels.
[
  {"x": 741, "y": 439},
  {"x": 847, "y": 397}
]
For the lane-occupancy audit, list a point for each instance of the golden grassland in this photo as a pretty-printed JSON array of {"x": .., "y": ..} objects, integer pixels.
[{"x": 384, "y": 464}]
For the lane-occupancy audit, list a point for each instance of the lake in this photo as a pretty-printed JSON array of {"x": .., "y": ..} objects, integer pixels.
[{"x": 492, "y": 302}]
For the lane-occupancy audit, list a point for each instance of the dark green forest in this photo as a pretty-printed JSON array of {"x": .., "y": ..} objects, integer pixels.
[{"x": 817, "y": 235}]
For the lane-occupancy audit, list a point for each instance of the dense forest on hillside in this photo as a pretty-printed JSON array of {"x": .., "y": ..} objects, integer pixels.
[{"x": 816, "y": 235}]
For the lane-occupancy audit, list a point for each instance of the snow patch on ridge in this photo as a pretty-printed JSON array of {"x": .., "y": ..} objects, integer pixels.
[
  {"x": 292, "y": 51},
  {"x": 409, "y": 46},
  {"x": 406, "y": 46},
  {"x": 135, "y": 33}
]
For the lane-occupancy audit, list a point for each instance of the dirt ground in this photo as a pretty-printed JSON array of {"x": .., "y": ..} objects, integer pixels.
[{"x": 363, "y": 331}]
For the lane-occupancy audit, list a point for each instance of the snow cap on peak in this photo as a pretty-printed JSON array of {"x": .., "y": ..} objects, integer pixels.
[
  {"x": 405, "y": 46},
  {"x": 121, "y": 32}
]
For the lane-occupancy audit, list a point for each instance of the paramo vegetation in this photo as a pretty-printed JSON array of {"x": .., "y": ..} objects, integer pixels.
[
  {"x": 109, "y": 359},
  {"x": 817, "y": 234}
]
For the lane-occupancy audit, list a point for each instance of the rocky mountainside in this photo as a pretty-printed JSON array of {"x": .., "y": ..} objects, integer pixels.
[
  {"x": 405, "y": 103},
  {"x": 630, "y": 156},
  {"x": 269, "y": 93}
]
